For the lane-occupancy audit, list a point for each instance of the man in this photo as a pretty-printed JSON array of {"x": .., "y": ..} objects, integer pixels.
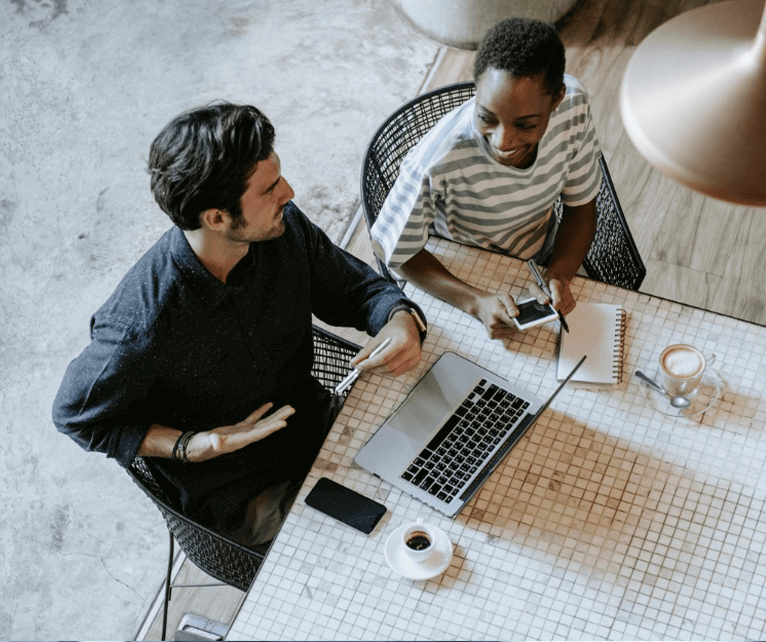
[
  {"x": 489, "y": 171},
  {"x": 200, "y": 360}
]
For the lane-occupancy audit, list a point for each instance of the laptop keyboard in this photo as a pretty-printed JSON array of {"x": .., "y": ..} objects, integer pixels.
[{"x": 466, "y": 441}]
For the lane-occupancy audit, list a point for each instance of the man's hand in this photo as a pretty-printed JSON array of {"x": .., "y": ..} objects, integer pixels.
[
  {"x": 159, "y": 440},
  {"x": 401, "y": 355},
  {"x": 219, "y": 441},
  {"x": 562, "y": 298},
  {"x": 496, "y": 312}
]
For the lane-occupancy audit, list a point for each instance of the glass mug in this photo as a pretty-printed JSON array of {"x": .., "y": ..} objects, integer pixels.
[{"x": 682, "y": 367}]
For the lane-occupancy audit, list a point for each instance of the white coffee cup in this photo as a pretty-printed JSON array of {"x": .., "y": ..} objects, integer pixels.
[
  {"x": 418, "y": 541},
  {"x": 682, "y": 367}
]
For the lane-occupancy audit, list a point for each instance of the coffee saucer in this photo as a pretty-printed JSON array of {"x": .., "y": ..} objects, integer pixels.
[
  {"x": 707, "y": 395},
  {"x": 399, "y": 561}
]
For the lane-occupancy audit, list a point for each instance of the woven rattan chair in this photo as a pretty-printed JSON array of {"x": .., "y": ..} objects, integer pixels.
[
  {"x": 218, "y": 556},
  {"x": 613, "y": 257}
]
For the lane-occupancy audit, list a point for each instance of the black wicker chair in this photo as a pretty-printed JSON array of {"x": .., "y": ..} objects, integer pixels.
[
  {"x": 613, "y": 257},
  {"x": 218, "y": 556}
]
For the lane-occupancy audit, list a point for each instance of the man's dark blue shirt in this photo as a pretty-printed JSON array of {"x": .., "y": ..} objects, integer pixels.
[{"x": 175, "y": 346}]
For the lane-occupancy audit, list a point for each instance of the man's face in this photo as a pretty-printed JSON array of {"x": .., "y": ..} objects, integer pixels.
[
  {"x": 262, "y": 204},
  {"x": 512, "y": 115}
]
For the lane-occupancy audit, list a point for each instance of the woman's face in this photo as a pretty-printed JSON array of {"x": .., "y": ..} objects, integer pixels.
[{"x": 512, "y": 114}]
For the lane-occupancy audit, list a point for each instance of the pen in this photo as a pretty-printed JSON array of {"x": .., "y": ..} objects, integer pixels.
[
  {"x": 544, "y": 287},
  {"x": 354, "y": 374}
]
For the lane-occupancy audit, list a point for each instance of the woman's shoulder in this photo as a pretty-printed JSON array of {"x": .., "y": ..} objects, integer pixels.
[
  {"x": 576, "y": 93},
  {"x": 451, "y": 133}
]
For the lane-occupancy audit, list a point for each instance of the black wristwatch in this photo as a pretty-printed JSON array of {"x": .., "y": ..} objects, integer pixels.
[{"x": 419, "y": 322}]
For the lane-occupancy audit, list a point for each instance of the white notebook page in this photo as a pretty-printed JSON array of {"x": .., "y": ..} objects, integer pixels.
[{"x": 595, "y": 330}]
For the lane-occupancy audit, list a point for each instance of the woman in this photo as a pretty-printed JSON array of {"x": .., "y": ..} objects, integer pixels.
[{"x": 488, "y": 173}]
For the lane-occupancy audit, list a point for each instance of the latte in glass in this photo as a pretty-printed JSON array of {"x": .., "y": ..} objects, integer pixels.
[
  {"x": 682, "y": 367},
  {"x": 682, "y": 361}
]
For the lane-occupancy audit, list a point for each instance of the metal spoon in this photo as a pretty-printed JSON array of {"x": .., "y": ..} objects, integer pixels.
[{"x": 676, "y": 402}]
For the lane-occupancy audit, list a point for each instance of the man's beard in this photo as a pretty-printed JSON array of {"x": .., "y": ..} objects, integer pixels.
[{"x": 239, "y": 234}]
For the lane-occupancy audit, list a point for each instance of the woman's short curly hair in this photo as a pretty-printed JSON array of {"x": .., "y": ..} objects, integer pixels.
[
  {"x": 523, "y": 47},
  {"x": 201, "y": 160}
]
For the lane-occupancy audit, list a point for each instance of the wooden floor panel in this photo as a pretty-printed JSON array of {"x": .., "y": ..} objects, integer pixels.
[
  {"x": 217, "y": 603},
  {"x": 743, "y": 290},
  {"x": 680, "y": 283}
]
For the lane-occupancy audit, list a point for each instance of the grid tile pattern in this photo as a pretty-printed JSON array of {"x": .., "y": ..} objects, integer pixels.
[{"x": 609, "y": 520}]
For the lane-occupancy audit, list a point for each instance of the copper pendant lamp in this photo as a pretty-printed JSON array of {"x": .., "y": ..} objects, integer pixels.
[{"x": 693, "y": 100}]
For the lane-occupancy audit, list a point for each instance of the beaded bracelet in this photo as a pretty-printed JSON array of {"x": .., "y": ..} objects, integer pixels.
[
  {"x": 179, "y": 449},
  {"x": 184, "y": 445},
  {"x": 174, "y": 454}
]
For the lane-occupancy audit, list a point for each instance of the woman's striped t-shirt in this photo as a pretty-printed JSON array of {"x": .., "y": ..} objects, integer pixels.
[{"x": 450, "y": 185}]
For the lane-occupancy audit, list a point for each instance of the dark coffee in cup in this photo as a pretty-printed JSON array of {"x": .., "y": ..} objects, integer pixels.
[{"x": 418, "y": 541}]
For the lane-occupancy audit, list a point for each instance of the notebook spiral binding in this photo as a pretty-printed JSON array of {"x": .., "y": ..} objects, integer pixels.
[{"x": 618, "y": 357}]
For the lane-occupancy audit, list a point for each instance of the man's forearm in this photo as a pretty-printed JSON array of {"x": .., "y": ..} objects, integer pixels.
[
  {"x": 158, "y": 441},
  {"x": 425, "y": 271}
]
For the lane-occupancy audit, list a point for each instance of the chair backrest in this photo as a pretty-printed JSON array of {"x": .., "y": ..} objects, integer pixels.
[
  {"x": 613, "y": 257},
  {"x": 331, "y": 356},
  {"x": 217, "y": 555}
]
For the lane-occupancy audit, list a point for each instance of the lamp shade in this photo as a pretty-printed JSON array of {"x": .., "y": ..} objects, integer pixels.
[{"x": 693, "y": 100}]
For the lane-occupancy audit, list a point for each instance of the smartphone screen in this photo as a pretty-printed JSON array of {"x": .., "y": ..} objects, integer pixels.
[
  {"x": 532, "y": 313},
  {"x": 345, "y": 505}
]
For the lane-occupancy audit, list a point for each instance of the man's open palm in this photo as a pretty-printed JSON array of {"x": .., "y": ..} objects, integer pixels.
[{"x": 226, "y": 439}]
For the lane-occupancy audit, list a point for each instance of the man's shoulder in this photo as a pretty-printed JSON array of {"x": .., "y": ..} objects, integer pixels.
[
  {"x": 299, "y": 229},
  {"x": 146, "y": 289},
  {"x": 295, "y": 219},
  {"x": 301, "y": 233}
]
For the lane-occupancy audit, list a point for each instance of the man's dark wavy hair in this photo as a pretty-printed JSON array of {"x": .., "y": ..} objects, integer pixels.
[
  {"x": 523, "y": 47},
  {"x": 201, "y": 160}
]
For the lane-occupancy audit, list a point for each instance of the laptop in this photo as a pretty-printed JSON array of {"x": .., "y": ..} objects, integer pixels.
[{"x": 451, "y": 432}]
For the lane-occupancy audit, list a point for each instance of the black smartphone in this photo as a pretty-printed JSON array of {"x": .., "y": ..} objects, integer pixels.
[
  {"x": 532, "y": 313},
  {"x": 345, "y": 505}
]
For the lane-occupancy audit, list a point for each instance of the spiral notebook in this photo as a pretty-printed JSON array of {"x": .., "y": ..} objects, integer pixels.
[{"x": 598, "y": 331}]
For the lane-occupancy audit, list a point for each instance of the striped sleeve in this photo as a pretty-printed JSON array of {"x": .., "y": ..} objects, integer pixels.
[
  {"x": 401, "y": 229},
  {"x": 584, "y": 176}
]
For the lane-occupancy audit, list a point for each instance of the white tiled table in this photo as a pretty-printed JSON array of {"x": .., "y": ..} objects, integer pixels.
[{"x": 608, "y": 520}]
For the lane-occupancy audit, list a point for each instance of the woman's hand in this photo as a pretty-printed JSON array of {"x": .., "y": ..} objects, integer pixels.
[
  {"x": 496, "y": 312},
  {"x": 562, "y": 298}
]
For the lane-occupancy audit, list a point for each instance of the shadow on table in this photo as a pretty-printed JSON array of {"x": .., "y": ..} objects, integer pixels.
[{"x": 583, "y": 501}]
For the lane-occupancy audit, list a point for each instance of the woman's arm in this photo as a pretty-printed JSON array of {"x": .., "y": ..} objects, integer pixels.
[
  {"x": 573, "y": 240},
  {"x": 495, "y": 311}
]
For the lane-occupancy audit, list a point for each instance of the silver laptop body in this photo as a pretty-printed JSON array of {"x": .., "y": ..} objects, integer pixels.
[{"x": 412, "y": 449}]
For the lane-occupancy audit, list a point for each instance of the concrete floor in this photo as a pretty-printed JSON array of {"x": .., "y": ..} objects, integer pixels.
[{"x": 85, "y": 85}]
